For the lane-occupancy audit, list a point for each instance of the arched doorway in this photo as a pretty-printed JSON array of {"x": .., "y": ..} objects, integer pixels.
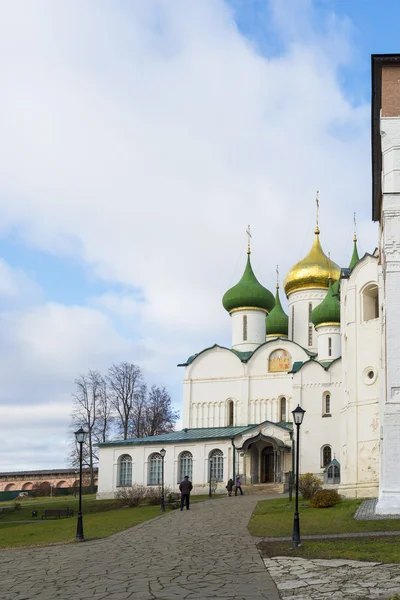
[{"x": 267, "y": 458}]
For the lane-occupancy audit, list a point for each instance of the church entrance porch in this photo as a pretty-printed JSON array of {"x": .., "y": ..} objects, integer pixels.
[{"x": 267, "y": 460}]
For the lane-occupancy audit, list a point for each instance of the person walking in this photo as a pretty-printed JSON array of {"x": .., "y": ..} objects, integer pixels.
[
  {"x": 185, "y": 488},
  {"x": 229, "y": 486},
  {"x": 238, "y": 485}
]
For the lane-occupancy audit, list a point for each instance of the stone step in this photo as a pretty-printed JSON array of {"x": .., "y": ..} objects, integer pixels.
[{"x": 264, "y": 488}]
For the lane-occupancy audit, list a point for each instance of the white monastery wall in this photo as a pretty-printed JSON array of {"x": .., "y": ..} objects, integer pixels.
[
  {"x": 389, "y": 484},
  {"x": 361, "y": 361}
]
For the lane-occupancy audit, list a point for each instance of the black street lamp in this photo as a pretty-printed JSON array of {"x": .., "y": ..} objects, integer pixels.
[
  {"x": 162, "y": 453},
  {"x": 298, "y": 415},
  {"x": 80, "y": 437},
  {"x": 209, "y": 479}
]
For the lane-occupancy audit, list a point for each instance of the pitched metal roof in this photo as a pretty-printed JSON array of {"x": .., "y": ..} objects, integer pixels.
[{"x": 189, "y": 435}]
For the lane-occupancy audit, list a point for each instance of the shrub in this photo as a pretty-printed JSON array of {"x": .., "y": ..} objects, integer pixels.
[
  {"x": 325, "y": 499},
  {"x": 309, "y": 485},
  {"x": 154, "y": 494},
  {"x": 132, "y": 495}
]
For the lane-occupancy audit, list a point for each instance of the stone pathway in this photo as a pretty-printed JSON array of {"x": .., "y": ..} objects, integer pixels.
[
  {"x": 333, "y": 579},
  {"x": 205, "y": 553}
]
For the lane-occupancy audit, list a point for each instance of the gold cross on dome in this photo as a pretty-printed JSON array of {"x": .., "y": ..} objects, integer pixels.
[
  {"x": 248, "y": 239},
  {"x": 355, "y": 228},
  {"x": 277, "y": 276},
  {"x": 317, "y": 215}
]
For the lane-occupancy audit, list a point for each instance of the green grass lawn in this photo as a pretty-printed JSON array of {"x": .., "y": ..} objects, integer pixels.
[
  {"x": 101, "y": 518},
  {"x": 274, "y": 518},
  {"x": 375, "y": 549}
]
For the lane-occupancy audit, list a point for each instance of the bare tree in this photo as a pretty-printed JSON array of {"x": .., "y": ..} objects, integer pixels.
[
  {"x": 87, "y": 412},
  {"x": 159, "y": 415},
  {"x": 127, "y": 392}
]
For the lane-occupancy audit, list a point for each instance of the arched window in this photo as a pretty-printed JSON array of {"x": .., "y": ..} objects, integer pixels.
[
  {"x": 370, "y": 302},
  {"x": 245, "y": 328},
  {"x": 310, "y": 325},
  {"x": 329, "y": 346},
  {"x": 185, "y": 465},
  {"x": 282, "y": 409},
  {"x": 216, "y": 458},
  {"x": 155, "y": 469},
  {"x": 230, "y": 413},
  {"x": 326, "y": 404},
  {"x": 292, "y": 323},
  {"x": 326, "y": 455},
  {"x": 125, "y": 470}
]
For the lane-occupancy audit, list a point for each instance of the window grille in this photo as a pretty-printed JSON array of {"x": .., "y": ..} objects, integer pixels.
[
  {"x": 283, "y": 409},
  {"x": 244, "y": 328},
  {"x": 327, "y": 404},
  {"x": 230, "y": 413},
  {"x": 125, "y": 470},
  {"x": 217, "y": 465},
  {"x": 326, "y": 455},
  {"x": 185, "y": 465},
  {"x": 155, "y": 469}
]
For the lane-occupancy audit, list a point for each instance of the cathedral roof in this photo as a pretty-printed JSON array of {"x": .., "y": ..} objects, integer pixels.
[
  {"x": 313, "y": 271},
  {"x": 329, "y": 309},
  {"x": 277, "y": 323},
  {"x": 248, "y": 293}
]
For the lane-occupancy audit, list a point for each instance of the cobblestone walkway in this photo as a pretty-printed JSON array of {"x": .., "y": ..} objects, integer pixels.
[
  {"x": 301, "y": 579},
  {"x": 205, "y": 553}
]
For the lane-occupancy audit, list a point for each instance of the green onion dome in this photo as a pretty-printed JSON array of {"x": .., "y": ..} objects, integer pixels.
[
  {"x": 329, "y": 309},
  {"x": 248, "y": 293},
  {"x": 277, "y": 322},
  {"x": 354, "y": 258}
]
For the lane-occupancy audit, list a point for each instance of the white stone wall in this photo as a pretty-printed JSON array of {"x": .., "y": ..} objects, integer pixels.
[
  {"x": 389, "y": 484},
  {"x": 361, "y": 354},
  {"x": 255, "y": 329},
  {"x": 299, "y": 303},
  {"x": 109, "y": 455}
]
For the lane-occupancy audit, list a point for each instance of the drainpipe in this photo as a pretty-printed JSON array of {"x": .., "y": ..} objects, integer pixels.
[{"x": 234, "y": 459}]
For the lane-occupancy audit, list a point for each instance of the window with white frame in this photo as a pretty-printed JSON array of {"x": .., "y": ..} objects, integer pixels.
[
  {"x": 125, "y": 471},
  {"x": 282, "y": 409},
  {"x": 326, "y": 401},
  {"x": 292, "y": 322},
  {"x": 216, "y": 458},
  {"x": 185, "y": 465},
  {"x": 155, "y": 469},
  {"x": 326, "y": 455},
  {"x": 245, "y": 328}
]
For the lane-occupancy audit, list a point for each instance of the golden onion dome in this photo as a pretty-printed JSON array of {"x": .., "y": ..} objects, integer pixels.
[{"x": 313, "y": 271}]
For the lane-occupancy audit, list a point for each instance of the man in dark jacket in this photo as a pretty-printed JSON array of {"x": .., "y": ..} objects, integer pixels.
[{"x": 185, "y": 488}]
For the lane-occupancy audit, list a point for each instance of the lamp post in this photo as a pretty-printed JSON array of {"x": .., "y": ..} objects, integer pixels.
[
  {"x": 209, "y": 479},
  {"x": 298, "y": 415},
  {"x": 162, "y": 453},
  {"x": 80, "y": 437}
]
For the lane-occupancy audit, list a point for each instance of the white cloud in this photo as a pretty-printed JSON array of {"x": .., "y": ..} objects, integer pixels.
[{"x": 142, "y": 138}]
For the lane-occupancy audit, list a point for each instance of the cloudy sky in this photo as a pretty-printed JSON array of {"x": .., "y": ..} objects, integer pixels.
[{"x": 137, "y": 141}]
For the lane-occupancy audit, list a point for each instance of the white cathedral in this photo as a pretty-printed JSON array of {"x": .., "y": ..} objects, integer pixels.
[
  {"x": 336, "y": 354},
  {"x": 237, "y": 401}
]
